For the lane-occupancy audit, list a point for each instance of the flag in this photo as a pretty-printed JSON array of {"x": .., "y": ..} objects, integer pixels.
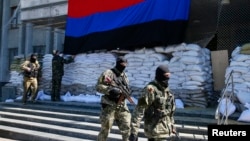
[{"x": 124, "y": 24}]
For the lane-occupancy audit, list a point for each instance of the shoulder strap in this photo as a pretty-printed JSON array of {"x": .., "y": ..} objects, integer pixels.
[
  {"x": 154, "y": 84},
  {"x": 118, "y": 78},
  {"x": 115, "y": 72}
]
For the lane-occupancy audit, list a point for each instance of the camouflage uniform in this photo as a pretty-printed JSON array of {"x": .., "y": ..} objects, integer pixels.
[
  {"x": 57, "y": 74},
  {"x": 30, "y": 79},
  {"x": 110, "y": 110},
  {"x": 156, "y": 104}
]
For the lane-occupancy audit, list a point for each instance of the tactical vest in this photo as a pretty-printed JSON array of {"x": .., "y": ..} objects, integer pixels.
[
  {"x": 157, "y": 110},
  {"x": 33, "y": 72}
]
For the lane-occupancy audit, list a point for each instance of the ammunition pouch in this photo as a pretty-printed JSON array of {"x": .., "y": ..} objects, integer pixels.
[
  {"x": 114, "y": 98},
  {"x": 104, "y": 105},
  {"x": 32, "y": 73},
  {"x": 156, "y": 111}
]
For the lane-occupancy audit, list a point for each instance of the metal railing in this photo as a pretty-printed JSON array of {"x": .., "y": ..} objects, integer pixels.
[{"x": 222, "y": 119}]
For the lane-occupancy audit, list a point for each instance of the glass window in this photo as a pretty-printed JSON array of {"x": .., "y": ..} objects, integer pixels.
[
  {"x": 15, "y": 17},
  {"x": 12, "y": 53}
]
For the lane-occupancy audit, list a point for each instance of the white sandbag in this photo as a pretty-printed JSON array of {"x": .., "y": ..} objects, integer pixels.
[
  {"x": 181, "y": 47},
  {"x": 245, "y": 115},
  {"x": 66, "y": 97},
  {"x": 236, "y": 69},
  {"x": 246, "y": 77},
  {"x": 191, "y": 83},
  {"x": 169, "y": 49},
  {"x": 236, "y": 51},
  {"x": 198, "y": 68},
  {"x": 191, "y": 60},
  {"x": 159, "y": 57},
  {"x": 243, "y": 97},
  {"x": 226, "y": 107},
  {"x": 194, "y": 87},
  {"x": 194, "y": 47},
  {"x": 174, "y": 59},
  {"x": 191, "y": 53},
  {"x": 198, "y": 78},
  {"x": 237, "y": 63},
  {"x": 241, "y": 57},
  {"x": 179, "y": 103},
  {"x": 159, "y": 49}
]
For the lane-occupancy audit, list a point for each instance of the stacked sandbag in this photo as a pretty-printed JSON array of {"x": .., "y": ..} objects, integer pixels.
[
  {"x": 16, "y": 76},
  {"x": 237, "y": 76},
  {"x": 81, "y": 75},
  {"x": 189, "y": 65},
  {"x": 191, "y": 75},
  {"x": 141, "y": 67}
]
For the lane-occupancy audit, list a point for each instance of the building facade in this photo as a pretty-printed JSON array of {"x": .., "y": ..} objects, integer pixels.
[{"x": 28, "y": 27}]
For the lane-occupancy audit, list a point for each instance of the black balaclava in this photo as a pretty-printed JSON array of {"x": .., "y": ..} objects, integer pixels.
[
  {"x": 120, "y": 60},
  {"x": 160, "y": 77},
  {"x": 33, "y": 58},
  {"x": 56, "y": 52}
]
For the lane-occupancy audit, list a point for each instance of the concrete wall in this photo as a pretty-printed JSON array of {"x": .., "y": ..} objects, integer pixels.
[
  {"x": 13, "y": 38},
  {"x": 43, "y": 9},
  {"x": 14, "y": 3}
]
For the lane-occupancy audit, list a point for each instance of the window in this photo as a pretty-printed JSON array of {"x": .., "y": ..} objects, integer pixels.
[
  {"x": 39, "y": 50},
  {"x": 12, "y": 53},
  {"x": 15, "y": 17}
]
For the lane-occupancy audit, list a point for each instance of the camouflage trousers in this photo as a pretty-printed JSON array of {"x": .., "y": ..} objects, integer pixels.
[
  {"x": 56, "y": 88},
  {"x": 111, "y": 114},
  {"x": 29, "y": 83}
]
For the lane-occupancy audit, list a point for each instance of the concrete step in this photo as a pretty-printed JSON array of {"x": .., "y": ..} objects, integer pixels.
[
  {"x": 80, "y": 121},
  {"x": 31, "y": 135},
  {"x": 90, "y": 123},
  {"x": 69, "y": 113},
  {"x": 191, "y": 114},
  {"x": 6, "y": 139}
]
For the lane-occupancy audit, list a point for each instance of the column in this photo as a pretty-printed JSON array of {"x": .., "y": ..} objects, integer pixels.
[
  {"x": 28, "y": 40},
  {"x": 58, "y": 42},
  {"x": 21, "y": 41},
  {"x": 49, "y": 39},
  {"x": 4, "y": 60}
]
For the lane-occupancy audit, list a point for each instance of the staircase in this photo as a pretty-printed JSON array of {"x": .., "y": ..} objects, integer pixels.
[{"x": 75, "y": 121}]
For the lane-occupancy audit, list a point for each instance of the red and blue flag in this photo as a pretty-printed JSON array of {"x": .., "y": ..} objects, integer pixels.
[{"x": 124, "y": 24}]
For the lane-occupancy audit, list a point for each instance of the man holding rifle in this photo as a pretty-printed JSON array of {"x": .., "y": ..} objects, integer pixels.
[
  {"x": 30, "y": 71},
  {"x": 114, "y": 85}
]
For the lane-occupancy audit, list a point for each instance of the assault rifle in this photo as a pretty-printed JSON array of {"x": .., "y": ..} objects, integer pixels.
[
  {"x": 177, "y": 135},
  {"x": 125, "y": 92}
]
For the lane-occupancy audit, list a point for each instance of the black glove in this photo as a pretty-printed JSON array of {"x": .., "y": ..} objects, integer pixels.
[
  {"x": 133, "y": 137},
  {"x": 114, "y": 94}
]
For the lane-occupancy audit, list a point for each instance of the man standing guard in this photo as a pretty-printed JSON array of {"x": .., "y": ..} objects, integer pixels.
[
  {"x": 57, "y": 73},
  {"x": 30, "y": 71}
]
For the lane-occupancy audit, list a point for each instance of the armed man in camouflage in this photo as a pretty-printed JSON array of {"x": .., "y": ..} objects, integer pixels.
[
  {"x": 113, "y": 110},
  {"x": 30, "y": 71},
  {"x": 157, "y": 106},
  {"x": 57, "y": 73}
]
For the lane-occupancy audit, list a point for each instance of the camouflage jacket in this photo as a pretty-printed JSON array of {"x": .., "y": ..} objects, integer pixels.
[
  {"x": 106, "y": 82},
  {"x": 34, "y": 67},
  {"x": 157, "y": 106},
  {"x": 58, "y": 66}
]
